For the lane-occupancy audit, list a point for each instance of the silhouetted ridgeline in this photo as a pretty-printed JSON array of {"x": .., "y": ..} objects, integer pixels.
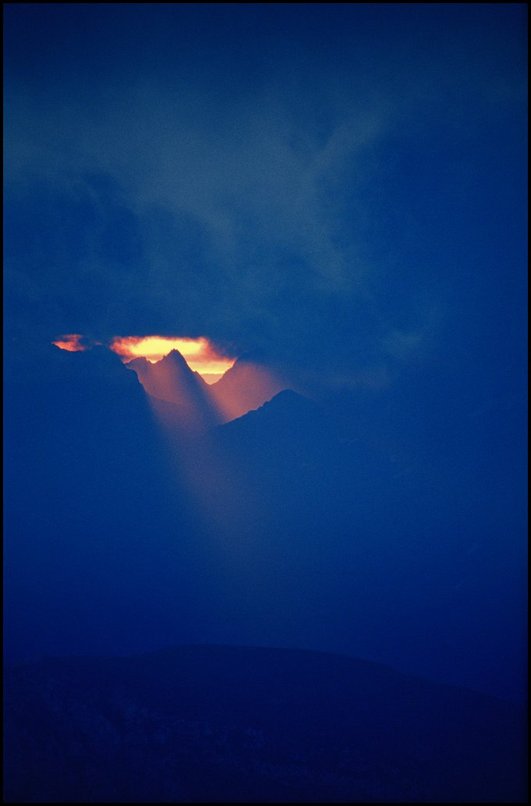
[
  {"x": 230, "y": 724},
  {"x": 329, "y": 526},
  {"x": 246, "y": 386}
]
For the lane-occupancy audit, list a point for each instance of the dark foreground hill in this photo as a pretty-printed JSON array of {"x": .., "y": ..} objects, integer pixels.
[{"x": 225, "y": 724}]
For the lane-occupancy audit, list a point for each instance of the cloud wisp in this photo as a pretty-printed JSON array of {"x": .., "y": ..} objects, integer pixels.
[{"x": 267, "y": 189}]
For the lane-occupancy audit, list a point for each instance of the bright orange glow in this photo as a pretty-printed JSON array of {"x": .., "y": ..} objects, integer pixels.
[
  {"x": 200, "y": 354},
  {"x": 70, "y": 342},
  {"x": 221, "y": 496},
  {"x": 245, "y": 388}
]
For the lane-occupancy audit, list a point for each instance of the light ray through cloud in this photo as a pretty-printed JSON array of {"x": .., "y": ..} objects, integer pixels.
[{"x": 220, "y": 497}]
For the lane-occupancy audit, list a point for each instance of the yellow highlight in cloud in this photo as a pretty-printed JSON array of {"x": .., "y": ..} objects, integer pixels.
[{"x": 200, "y": 355}]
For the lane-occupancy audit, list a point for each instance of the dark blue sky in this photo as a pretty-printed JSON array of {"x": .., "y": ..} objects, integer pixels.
[{"x": 340, "y": 187}]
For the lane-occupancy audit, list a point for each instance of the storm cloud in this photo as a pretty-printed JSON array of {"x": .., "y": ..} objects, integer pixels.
[{"x": 221, "y": 174}]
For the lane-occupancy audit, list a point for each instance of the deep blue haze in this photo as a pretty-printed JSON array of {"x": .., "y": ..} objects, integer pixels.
[{"x": 339, "y": 192}]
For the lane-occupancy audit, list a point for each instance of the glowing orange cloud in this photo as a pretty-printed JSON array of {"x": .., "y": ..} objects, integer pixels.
[
  {"x": 70, "y": 342},
  {"x": 199, "y": 354}
]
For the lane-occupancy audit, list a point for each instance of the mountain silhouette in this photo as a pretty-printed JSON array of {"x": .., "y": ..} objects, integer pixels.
[
  {"x": 245, "y": 724},
  {"x": 283, "y": 406},
  {"x": 172, "y": 380},
  {"x": 293, "y": 454},
  {"x": 244, "y": 387},
  {"x": 297, "y": 524}
]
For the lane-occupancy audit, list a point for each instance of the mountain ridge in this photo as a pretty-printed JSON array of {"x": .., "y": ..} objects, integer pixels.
[{"x": 231, "y": 723}]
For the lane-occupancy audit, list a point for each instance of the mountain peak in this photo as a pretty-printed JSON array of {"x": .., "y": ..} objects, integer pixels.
[
  {"x": 287, "y": 409},
  {"x": 289, "y": 397},
  {"x": 246, "y": 386},
  {"x": 174, "y": 357},
  {"x": 289, "y": 401}
]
